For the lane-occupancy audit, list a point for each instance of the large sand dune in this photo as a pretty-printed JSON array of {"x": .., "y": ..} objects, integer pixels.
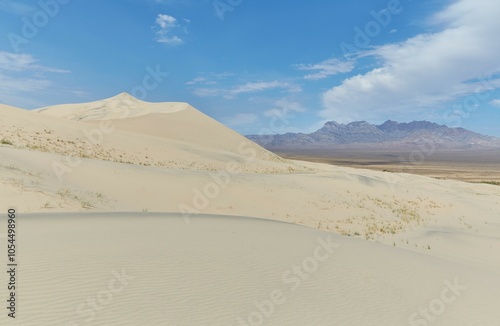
[
  {"x": 156, "y": 134},
  {"x": 122, "y": 154},
  {"x": 168, "y": 121},
  {"x": 173, "y": 121}
]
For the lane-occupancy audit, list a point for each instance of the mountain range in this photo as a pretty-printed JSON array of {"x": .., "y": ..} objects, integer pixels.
[{"x": 388, "y": 134}]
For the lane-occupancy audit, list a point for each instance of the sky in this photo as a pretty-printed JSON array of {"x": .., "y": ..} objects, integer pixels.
[{"x": 262, "y": 67}]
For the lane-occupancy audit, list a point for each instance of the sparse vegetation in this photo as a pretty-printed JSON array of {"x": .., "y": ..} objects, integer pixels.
[
  {"x": 86, "y": 205},
  {"x": 5, "y": 141},
  {"x": 494, "y": 183},
  {"x": 47, "y": 205},
  {"x": 407, "y": 215}
]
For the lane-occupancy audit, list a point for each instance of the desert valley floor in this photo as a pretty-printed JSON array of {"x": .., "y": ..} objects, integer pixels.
[{"x": 477, "y": 166}]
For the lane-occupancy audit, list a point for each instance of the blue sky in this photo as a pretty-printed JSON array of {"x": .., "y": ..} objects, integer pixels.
[{"x": 262, "y": 66}]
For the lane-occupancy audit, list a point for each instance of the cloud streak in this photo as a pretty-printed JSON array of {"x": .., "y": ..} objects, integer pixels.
[
  {"x": 242, "y": 119},
  {"x": 247, "y": 88},
  {"x": 23, "y": 62},
  {"x": 326, "y": 68},
  {"x": 496, "y": 103}
]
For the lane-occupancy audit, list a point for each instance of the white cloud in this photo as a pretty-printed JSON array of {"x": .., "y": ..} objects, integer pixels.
[
  {"x": 207, "y": 92},
  {"x": 21, "y": 76},
  {"x": 495, "y": 102},
  {"x": 165, "y": 27},
  {"x": 284, "y": 108},
  {"x": 166, "y": 21},
  {"x": 252, "y": 87},
  {"x": 197, "y": 80},
  {"x": 22, "y": 62},
  {"x": 326, "y": 68},
  {"x": 263, "y": 86},
  {"x": 426, "y": 71},
  {"x": 209, "y": 78},
  {"x": 242, "y": 119}
]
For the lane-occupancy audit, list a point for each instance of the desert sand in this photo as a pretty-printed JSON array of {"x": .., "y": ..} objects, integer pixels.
[{"x": 402, "y": 239}]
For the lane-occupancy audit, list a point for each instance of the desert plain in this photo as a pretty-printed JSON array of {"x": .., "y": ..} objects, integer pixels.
[{"x": 474, "y": 165}]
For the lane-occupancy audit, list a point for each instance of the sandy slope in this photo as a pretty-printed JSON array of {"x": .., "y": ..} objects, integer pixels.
[
  {"x": 153, "y": 269},
  {"x": 49, "y": 130},
  {"x": 169, "y": 157},
  {"x": 172, "y": 121}
]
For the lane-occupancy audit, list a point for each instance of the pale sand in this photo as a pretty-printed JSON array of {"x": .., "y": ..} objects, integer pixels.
[
  {"x": 180, "y": 160},
  {"x": 217, "y": 269}
]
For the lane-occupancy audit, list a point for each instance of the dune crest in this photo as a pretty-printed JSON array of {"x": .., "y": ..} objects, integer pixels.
[
  {"x": 126, "y": 130},
  {"x": 121, "y": 106}
]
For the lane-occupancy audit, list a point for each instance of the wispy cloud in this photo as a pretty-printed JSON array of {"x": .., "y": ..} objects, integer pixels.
[
  {"x": 284, "y": 108},
  {"x": 23, "y": 62},
  {"x": 251, "y": 87},
  {"x": 21, "y": 76},
  {"x": 209, "y": 78},
  {"x": 200, "y": 80},
  {"x": 495, "y": 102},
  {"x": 263, "y": 86},
  {"x": 242, "y": 119},
  {"x": 166, "y": 28},
  {"x": 16, "y": 8},
  {"x": 426, "y": 71},
  {"x": 326, "y": 68}
]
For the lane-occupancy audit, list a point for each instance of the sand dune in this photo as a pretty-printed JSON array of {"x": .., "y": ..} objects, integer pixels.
[
  {"x": 172, "y": 121},
  {"x": 153, "y": 269},
  {"x": 151, "y": 135},
  {"x": 122, "y": 154}
]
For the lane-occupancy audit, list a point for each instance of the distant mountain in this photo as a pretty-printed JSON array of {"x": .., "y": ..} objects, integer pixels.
[{"x": 388, "y": 134}]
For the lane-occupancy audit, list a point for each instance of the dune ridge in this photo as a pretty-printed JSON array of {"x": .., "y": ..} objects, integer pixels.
[{"x": 142, "y": 137}]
